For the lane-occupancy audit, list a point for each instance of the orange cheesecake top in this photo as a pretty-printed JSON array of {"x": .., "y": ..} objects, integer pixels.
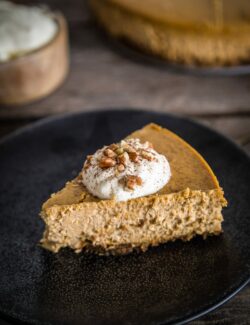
[{"x": 188, "y": 168}]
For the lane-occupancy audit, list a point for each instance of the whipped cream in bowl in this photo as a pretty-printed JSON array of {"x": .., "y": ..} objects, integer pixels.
[
  {"x": 125, "y": 170},
  {"x": 24, "y": 29}
]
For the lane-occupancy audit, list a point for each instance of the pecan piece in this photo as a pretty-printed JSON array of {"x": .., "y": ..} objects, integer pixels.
[
  {"x": 133, "y": 156},
  {"x": 107, "y": 162},
  {"x": 119, "y": 151},
  {"x": 138, "y": 180},
  {"x": 113, "y": 146},
  {"x": 120, "y": 168},
  {"x": 130, "y": 184},
  {"x": 87, "y": 162},
  {"x": 86, "y": 165},
  {"x": 146, "y": 155},
  {"x": 131, "y": 181},
  {"x": 129, "y": 148},
  {"x": 109, "y": 153},
  {"x": 123, "y": 158}
]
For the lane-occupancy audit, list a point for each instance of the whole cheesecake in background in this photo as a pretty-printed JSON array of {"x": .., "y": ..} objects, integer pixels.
[
  {"x": 33, "y": 52},
  {"x": 194, "y": 32}
]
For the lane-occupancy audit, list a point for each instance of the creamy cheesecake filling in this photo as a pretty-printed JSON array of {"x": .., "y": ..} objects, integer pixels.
[
  {"x": 126, "y": 170},
  {"x": 23, "y": 29}
]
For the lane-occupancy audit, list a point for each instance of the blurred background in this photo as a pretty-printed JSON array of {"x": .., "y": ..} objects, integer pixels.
[
  {"x": 100, "y": 77},
  {"x": 105, "y": 73}
]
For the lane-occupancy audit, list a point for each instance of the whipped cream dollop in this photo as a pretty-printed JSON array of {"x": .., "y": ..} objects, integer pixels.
[
  {"x": 126, "y": 170},
  {"x": 23, "y": 29}
]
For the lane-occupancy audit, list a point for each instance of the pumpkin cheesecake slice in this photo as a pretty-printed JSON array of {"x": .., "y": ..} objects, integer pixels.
[{"x": 150, "y": 188}]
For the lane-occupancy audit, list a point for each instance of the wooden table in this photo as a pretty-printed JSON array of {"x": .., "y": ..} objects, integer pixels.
[{"x": 101, "y": 77}]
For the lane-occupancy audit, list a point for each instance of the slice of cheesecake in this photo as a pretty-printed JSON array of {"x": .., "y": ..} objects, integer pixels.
[{"x": 189, "y": 204}]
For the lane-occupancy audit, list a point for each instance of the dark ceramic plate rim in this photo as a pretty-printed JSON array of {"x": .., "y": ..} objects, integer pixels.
[{"x": 13, "y": 317}]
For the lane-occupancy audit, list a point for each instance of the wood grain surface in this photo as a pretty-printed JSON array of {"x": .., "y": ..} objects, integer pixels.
[{"x": 101, "y": 76}]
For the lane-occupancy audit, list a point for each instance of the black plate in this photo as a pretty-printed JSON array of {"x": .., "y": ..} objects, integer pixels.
[{"x": 172, "y": 283}]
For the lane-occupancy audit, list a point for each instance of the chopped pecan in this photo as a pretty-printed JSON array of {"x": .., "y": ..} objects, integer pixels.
[
  {"x": 138, "y": 180},
  {"x": 109, "y": 153},
  {"x": 133, "y": 156},
  {"x": 107, "y": 162},
  {"x": 147, "y": 155},
  {"x": 123, "y": 158},
  {"x": 120, "y": 168},
  {"x": 113, "y": 146},
  {"x": 119, "y": 151},
  {"x": 87, "y": 163},
  {"x": 131, "y": 181},
  {"x": 130, "y": 184},
  {"x": 129, "y": 148}
]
